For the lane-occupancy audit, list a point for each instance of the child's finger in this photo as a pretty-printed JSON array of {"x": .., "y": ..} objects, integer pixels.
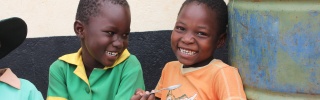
[
  {"x": 139, "y": 91},
  {"x": 151, "y": 97},
  {"x": 138, "y": 94},
  {"x": 148, "y": 96},
  {"x": 136, "y": 97},
  {"x": 145, "y": 96}
]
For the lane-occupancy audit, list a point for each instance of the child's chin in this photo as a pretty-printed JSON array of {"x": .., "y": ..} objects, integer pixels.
[
  {"x": 109, "y": 64},
  {"x": 185, "y": 62}
]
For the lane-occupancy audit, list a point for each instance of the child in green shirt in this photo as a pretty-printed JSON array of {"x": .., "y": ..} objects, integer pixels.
[{"x": 103, "y": 68}]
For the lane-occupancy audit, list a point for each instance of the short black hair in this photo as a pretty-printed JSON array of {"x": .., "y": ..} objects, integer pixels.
[
  {"x": 217, "y": 6},
  {"x": 89, "y": 8}
]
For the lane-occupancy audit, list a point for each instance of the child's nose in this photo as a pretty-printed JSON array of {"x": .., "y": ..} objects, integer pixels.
[
  {"x": 117, "y": 41},
  {"x": 188, "y": 38}
]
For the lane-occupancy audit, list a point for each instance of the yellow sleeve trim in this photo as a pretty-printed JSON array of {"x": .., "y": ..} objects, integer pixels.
[{"x": 56, "y": 98}]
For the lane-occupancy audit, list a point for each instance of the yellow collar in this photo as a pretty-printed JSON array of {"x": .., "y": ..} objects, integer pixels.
[
  {"x": 7, "y": 76},
  {"x": 76, "y": 59}
]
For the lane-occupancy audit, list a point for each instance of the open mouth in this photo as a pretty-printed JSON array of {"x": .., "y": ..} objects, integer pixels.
[
  {"x": 187, "y": 52},
  {"x": 112, "y": 53}
]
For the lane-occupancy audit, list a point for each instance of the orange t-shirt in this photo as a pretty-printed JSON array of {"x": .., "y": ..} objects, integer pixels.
[{"x": 215, "y": 81}]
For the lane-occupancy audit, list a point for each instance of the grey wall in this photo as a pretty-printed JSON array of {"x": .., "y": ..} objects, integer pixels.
[{"x": 31, "y": 60}]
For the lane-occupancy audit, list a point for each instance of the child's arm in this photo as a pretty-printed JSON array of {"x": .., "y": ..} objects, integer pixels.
[
  {"x": 228, "y": 85},
  {"x": 35, "y": 94},
  {"x": 143, "y": 95},
  {"x": 131, "y": 79},
  {"x": 57, "y": 89}
]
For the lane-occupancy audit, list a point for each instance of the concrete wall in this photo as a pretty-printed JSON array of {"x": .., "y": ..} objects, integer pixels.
[{"x": 47, "y": 18}]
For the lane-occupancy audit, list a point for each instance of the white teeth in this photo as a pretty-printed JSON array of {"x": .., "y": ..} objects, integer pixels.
[
  {"x": 188, "y": 52},
  {"x": 112, "y": 53}
]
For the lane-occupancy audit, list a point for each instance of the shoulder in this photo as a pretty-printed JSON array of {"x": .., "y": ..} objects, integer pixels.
[
  {"x": 26, "y": 85},
  {"x": 130, "y": 63},
  {"x": 172, "y": 65},
  {"x": 218, "y": 64},
  {"x": 58, "y": 64},
  {"x": 220, "y": 67},
  {"x": 224, "y": 72},
  {"x": 61, "y": 60},
  {"x": 132, "y": 58},
  {"x": 60, "y": 67},
  {"x": 28, "y": 90}
]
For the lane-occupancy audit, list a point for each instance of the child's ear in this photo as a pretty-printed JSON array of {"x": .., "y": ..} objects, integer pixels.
[
  {"x": 78, "y": 28},
  {"x": 222, "y": 40}
]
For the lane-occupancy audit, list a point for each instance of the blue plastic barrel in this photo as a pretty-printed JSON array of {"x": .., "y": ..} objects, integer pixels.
[{"x": 275, "y": 44}]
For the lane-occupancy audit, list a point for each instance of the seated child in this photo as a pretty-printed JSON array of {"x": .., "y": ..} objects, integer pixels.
[
  {"x": 13, "y": 32},
  {"x": 103, "y": 68},
  {"x": 200, "y": 29}
]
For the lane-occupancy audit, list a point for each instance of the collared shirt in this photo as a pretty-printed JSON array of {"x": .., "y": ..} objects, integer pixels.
[
  {"x": 215, "y": 81},
  {"x": 68, "y": 79},
  {"x": 13, "y": 88}
]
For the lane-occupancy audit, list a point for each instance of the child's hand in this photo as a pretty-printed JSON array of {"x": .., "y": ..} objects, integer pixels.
[{"x": 142, "y": 95}]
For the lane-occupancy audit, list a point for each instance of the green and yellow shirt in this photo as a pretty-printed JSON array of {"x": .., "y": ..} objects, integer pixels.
[{"x": 68, "y": 79}]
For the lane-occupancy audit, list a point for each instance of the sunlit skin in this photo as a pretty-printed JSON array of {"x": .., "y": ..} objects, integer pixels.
[
  {"x": 104, "y": 37},
  {"x": 196, "y": 35}
]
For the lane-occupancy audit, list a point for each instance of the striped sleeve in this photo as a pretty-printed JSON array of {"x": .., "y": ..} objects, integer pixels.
[{"x": 228, "y": 84}]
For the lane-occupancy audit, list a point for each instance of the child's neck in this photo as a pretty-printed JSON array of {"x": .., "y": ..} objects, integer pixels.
[
  {"x": 200, "y": 64},
  {"x": 89, "y": 62},
  {"x": 89, "y": 68},
  {"x": 88, "y": 71}
]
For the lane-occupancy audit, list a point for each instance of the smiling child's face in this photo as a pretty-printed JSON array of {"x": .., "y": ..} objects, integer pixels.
[
  {"x": 106, "y": 35},
  {"x": 195, "y": 35}
]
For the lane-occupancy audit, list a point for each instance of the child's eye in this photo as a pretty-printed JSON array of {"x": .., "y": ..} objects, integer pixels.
[
  {"x": 125, "y": 35},
  {"x": 201, "y": 34},
  {"x": 109, "y": 33},
  {"x": 179, "y": 29}
]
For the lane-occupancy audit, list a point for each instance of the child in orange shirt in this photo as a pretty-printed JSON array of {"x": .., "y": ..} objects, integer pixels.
[{"x": 200, "y": 29}]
